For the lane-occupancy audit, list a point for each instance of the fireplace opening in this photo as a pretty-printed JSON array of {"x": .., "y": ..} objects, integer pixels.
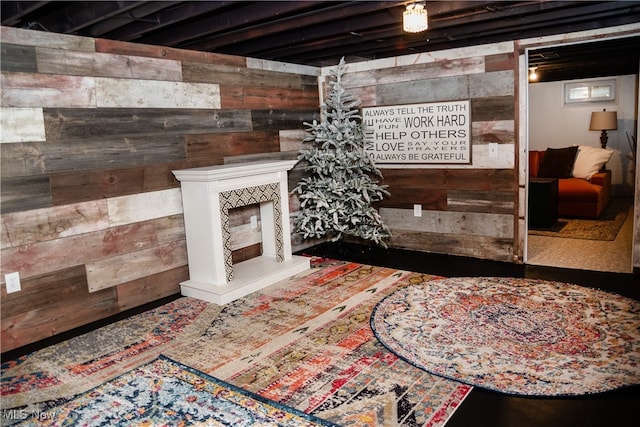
[{"x": 246, "y": 232}]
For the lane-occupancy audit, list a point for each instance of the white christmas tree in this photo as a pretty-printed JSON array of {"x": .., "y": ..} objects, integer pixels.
[{"x": 337, "y": 195}]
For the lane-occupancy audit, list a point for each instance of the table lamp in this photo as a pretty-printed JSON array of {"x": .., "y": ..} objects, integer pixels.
[{"x": 603, "y": 121}]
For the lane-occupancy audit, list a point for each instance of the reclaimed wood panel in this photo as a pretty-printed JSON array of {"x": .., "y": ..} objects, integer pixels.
[
  {"x": 261, "y": 97},
  {"x": 499, "y": 202},
  {"x": 51, "y": 304},
  {"x": 501, "y": 61},
  {"x": 415, "y": 72},
  {"x": 433, "y": 56},
  {"x": 277, "y": 119},
  {"x": 18, "y": 58},
  {"x": 50, "y": 90},
  {"x": 152, "y": 51},
  {"x": 472, "y": 86},
  {"x": 429, "y": 90},
  {"x": 112, "y": 271},
  {"x": 56, "y": 61},
  {"x": 118, "y": 241},
  {"x": 24, "y": 193},
  {"x": 298, "y": 244},
  {"x": 126, "y": 93},
  {"x": 497, "y": 83},
  {"x": 240, "y": 76},
  {"x": 214, "y": 147},
  {"x": 467, "y": 223},
  {"x": 51, "y": 157},
  {"x": 406, "y": 197},
  {"x": 284, "y": 67},
  {"x": 454, "y": 179},
  {"x": 144, "y": 206},
  {"x": 367, "y": 95},
  {"x": 161, "y": 177},
  {"x": 245, "y": 241},
  {"x": 126, "y": 152},
  {"x": 21, "y": 159},
  {"x": 299, "y": 170},
  {"x": 503, "y": 159},
  {"x": 293, "y": 140},
  {"x": 493, "y": 108},
  {"x": 21, "y": 125},
  {"x": 636, "y": 219},
  {"x": 68, "y": 123},
  {"x": 23, "y": 37},
  {"x": 519, "y": 247},
  {"x": 246, "y": 253},
  {"x": 243, "y": 235},
  {"x": 77, "y": 187},
  {"x": 242, "y": 214},
  {"x": 294, "y": 200},
  {"x": 454, "y": 244},
  {"x": 150, "y": 288},
  {"x": 38, "y": 258},
  {"x": 497, "y": 131},
  {"x": 38, "y": 292},
  {"x": 41, "y": 225}
]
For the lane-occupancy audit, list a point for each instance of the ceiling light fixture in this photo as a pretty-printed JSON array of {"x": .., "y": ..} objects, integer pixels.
[
  {"x": 533, "y": 75},
  {"x": 414, "y": 18}
]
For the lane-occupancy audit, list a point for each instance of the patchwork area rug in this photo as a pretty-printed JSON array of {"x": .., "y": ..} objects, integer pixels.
[
  {"x": 305, "y": 343},
  {"x": 605, "y": 227},
  {"x": 517, "y": 336},
  {"x": 167, "y": 393}
]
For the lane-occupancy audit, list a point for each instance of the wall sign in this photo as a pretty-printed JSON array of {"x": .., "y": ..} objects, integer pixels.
[{"x": 432, "y": 133}]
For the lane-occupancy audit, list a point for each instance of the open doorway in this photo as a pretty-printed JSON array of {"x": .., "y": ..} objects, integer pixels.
[{"x": 602, "y": 242}]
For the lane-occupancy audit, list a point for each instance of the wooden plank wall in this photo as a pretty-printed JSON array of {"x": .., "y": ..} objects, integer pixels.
[
  {"x": 468, "y": 210},
  {"x": 91, "y": 130}
]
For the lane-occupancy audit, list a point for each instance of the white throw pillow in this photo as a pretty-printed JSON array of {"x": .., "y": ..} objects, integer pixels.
[{"x": 589, "y": 161}]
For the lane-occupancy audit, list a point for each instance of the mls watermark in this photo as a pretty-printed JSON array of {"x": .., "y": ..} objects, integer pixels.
[{"x": 23, "y": 414}]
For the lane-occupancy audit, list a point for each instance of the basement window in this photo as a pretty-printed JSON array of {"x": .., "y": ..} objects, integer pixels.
[{"x": 590, "y": 91}]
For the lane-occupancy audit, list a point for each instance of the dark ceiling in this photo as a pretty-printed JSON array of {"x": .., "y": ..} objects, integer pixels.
[{"x": 319, "y": 33}]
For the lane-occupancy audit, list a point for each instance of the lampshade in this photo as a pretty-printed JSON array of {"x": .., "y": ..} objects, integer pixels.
[
  {"x": 604, "y": 120},
  {"x": 414, "y": 18}
]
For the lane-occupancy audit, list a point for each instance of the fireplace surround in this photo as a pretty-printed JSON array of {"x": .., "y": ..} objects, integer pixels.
[{"x": 208, "y": 193}]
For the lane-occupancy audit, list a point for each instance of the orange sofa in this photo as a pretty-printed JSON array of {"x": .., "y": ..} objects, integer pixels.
[{"x": 577, "y": 197}]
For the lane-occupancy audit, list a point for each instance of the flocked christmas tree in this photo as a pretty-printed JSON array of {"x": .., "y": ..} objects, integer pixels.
[{"x": 336, "y": 197}]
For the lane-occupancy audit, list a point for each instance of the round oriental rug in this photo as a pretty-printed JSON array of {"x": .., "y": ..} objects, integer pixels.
[{"x": 516, "y": 336}]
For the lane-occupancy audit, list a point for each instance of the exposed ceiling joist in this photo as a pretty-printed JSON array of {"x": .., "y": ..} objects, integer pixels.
[{"x": 319, "y": 33}]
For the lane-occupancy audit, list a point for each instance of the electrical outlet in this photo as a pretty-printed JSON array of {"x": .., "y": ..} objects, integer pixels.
[
  {"x": 417, "y": 210},
  {"x": 254, "y": 222},
  {"x": 493, "y": 150},
  {"x": 12, "y": 281}
]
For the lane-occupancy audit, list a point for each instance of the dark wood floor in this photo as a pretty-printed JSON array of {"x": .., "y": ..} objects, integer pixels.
[
  {"x": 625, "y": 284},
  {"x": 486, "y": 408},
  {"x": 482, "y": 407}
]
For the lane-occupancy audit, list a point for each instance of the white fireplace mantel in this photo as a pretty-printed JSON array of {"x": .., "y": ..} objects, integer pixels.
[{"x": 208, "y": 193}]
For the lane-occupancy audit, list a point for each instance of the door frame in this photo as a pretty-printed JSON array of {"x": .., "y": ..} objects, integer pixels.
[{"x": 522, "y": 49}]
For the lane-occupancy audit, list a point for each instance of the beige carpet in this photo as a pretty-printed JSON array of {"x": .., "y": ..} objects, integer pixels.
[
  {"x": 605, "y": 227},
  {"x": 610, "y": 256}
]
